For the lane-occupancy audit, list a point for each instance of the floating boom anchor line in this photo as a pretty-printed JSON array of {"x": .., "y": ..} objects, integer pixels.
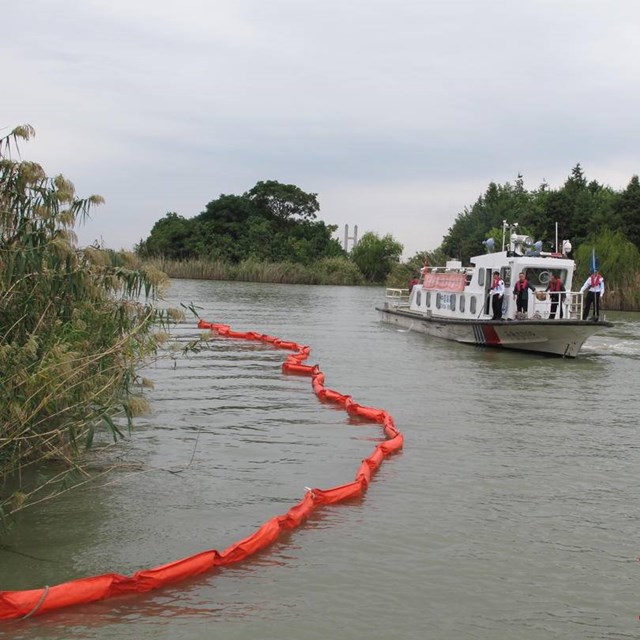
[{"x": 31, "y": 602}]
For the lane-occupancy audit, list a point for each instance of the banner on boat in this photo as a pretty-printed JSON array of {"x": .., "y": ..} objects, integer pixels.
[{"x": 445, "y": 281}]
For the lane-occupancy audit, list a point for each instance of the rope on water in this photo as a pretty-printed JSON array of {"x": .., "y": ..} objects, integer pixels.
[{"x": 45, "y": 593}]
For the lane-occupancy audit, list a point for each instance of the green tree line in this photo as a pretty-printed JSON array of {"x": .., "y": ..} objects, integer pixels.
[
  {"x": 582, "y": 210},
  {"x": 271, "y": 233},
  {"x": 591, "y": 215}
]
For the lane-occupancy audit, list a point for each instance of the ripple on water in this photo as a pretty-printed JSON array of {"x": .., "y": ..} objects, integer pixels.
[{"x": 511, "y": 513}]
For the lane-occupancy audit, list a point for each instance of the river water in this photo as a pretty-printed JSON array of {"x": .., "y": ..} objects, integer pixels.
[{"x": 512, "y": 512}]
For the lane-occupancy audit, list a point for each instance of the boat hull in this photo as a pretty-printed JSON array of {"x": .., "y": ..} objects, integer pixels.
[{"x": 554, "y": 337}]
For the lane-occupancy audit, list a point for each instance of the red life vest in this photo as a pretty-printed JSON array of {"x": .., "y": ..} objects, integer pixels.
[
  {"x": 556, "y": 285},
  {"x": 595, "y": 280},
  {"x": 521, "y": 285}
]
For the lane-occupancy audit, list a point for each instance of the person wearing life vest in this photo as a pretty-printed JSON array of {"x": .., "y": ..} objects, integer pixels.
[
  {"x": 594, "y": 286},
  {"x": 554, "y": 287},
  {"x": 521, "y": 293},
  {"x": 497, "y": 294}
]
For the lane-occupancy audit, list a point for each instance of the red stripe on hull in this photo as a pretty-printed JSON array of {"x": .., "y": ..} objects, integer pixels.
[{"x": 490, "y": 334}]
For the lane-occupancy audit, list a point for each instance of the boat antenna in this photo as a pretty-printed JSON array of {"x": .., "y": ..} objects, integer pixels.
[
  {"x": 512, "y": 229},
  {"x": 556, "y": 237}
]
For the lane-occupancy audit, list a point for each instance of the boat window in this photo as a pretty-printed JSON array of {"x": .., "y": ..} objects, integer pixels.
[
  {"x": 428, "y": 303},
  {"x": 539, "y": 277},
  {"x": 446, "y": 301},
  {"x": 461, "y": 304},
  {"x": 505, "y": 274},
  {"x": 472, "y": 305},
  {"x": 481, "y": 277},
  {"x": 418, "y": 298}
]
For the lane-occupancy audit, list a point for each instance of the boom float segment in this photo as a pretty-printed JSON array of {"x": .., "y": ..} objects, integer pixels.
[{"x": 23, "y": 604}]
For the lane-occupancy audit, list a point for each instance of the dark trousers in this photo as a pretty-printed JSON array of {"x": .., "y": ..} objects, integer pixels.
[
  {"x": 593, "y": 297},
  {"x": 496, "y": 305},
  {"x": 522, "y": 303},
  {"x": 554, "y": 307}
]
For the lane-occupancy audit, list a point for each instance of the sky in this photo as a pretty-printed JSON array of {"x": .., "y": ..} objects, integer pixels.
[{"x": 398, "y": 114}]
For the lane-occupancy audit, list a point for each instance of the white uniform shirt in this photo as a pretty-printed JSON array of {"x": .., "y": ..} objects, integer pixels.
[
  {"x": 595, "y": 288},
  {"x": 498, "y": 288}
]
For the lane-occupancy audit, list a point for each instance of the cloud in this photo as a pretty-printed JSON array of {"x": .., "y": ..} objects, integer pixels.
[{"x": 398, "y": 114}]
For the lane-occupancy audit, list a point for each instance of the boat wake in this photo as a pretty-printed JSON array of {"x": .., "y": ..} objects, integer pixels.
[{"x": 623, "y": 344}]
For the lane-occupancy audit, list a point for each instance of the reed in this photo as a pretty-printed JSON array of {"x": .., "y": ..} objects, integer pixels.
[
  {"x": 195, "y": 269},
  {"x": 74, "y": 327},
  {"x": 328, "y": 271},
  {"x": 622, "y": 299},
  {"x": 618, "y": 260}
]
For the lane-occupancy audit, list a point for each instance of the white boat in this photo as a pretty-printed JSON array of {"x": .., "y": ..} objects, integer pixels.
[{"x": 453, "y": 302}]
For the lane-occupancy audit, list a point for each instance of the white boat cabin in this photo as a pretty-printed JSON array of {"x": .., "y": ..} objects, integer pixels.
[{"x": 458, "y": 292}]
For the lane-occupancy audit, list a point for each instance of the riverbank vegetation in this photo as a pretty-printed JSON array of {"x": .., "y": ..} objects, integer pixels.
[
  {"x": 339, "y": 270},
  {"x": 594, "y": 217},
  {"x": 74, "y": 326},
  {"x": 269, "y": 234}
]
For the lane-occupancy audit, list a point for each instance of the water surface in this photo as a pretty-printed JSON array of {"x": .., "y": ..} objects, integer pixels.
[{"x": 512, "y": 512}]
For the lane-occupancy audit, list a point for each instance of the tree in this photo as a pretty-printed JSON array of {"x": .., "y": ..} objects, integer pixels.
[
  {"x": 219, "y": 232},
  {"x": 284, "y": 202},
  {"x": 376, "y": 256},
  {"x": 579, "y": 208},
  {"x": 627, "y": 211},
  {"x": 170, "y": 238},
  {"x": 498, "y": 203},
  {"x": 578, "y": 205},
  {"x": 271, "y": 222}
]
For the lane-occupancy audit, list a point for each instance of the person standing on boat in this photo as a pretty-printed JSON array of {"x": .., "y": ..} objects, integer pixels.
[
  {"x": 595, "y": 293},
  {"x": 521, "y": 293},
  {"x": 554, "y": 287},
  {"x": 497, "y": 294}
]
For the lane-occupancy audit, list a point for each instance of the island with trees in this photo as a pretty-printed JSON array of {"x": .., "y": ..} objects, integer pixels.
[{"x": 271, "y": 233}]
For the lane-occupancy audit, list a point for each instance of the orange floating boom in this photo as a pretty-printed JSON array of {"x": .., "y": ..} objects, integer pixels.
[{"x": 23, "y": 604}]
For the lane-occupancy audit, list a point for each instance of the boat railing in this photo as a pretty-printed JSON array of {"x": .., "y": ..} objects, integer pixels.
[
  {"x": 397, "y": 297},
  {"x": 571, "y": 303},
  {"x": 448, "y": 270}
]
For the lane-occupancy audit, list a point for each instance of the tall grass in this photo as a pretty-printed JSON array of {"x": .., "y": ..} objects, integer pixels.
[
  {"x": 618, "y": 260},
  {"x": 74, "y": 326},
  {"x": 336, "y": 271}
]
